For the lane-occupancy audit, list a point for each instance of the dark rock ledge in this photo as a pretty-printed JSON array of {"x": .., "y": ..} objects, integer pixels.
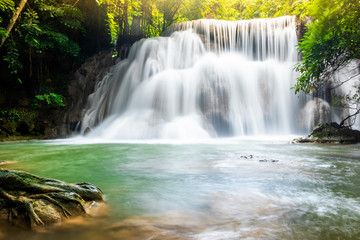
[
  {"x": 28, "y": 201},
  {"x": 331, "y": 133}
]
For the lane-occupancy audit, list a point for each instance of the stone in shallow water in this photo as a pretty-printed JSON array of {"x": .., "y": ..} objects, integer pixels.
[
  {"x": 268, "y": 160},
  {"x": 331, "y": 133}
]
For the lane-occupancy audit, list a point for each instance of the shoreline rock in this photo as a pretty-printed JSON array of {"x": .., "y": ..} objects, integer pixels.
[
  {"x": 331, "y": 133},
  {"x": 28, "y": 201}
]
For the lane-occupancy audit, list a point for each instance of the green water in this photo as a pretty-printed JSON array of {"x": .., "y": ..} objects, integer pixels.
[{"x": 224, "y": 189}]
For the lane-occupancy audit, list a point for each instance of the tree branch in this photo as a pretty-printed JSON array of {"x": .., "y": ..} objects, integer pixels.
[
  {"x": 348, "y": 117},
  {"x": 13, "y": 20},
  {"x": 75, "y": 3},
  {"x": 331, "y": 88}
]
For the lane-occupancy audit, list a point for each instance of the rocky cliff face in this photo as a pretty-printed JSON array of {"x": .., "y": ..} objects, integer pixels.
[
  {"x": 81, "y": 86},
  {"x": 301, "y": 26}
]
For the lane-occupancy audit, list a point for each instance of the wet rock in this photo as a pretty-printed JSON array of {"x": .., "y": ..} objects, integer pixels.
[
  {"x": 213, "y": 102},
  {"x": 50, "y": 132},
  {"x": 247, "y": 156},
  {"x": 83, "y": 84},
  {"x": 24, "y": 102},
  {"x": 268, "y": 160},
  {"x": 29, "y": 201},
  {"x": 301, "y": 26},
  {"x": 331, "y": 133},
  {"x": 87, "y": 131},
  {"x": 314, "y": 112}
]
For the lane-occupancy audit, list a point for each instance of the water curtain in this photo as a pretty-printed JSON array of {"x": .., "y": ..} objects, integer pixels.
[{"x": 206, "y": 78}]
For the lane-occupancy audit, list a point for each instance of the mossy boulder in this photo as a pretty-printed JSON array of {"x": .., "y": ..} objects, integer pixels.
[
  {"x": 18, "y": 121},
  {"x": 331, "y": 133},
  {"x": 28, "y": 201}
]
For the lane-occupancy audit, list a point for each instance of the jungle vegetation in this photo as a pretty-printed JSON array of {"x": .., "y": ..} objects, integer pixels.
[
  {"x": 331, "y": 43},
  {"x": 43, "y": 41}
]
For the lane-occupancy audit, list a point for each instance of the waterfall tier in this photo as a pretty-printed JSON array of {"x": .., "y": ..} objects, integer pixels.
[
  {"x": 257, "y": 40},
  {"x": 208, "y": 78}
]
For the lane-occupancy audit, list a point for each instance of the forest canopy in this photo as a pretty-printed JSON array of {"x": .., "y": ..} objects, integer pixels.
[
  {"x": 31, "y": 30},
  {"x": 41, "y": 40},
  {"x": 151, "y": 17},
  {"x": 37, "y": 35}
]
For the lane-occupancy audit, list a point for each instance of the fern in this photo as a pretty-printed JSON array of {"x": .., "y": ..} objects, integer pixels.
[{"x": 51, "y": 99}]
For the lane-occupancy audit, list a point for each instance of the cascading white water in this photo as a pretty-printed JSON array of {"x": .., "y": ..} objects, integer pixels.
[
  {"x": 317, "y": 108},
  {"x": 209, "y": 78},
  {"x": 348, "y": 80}
]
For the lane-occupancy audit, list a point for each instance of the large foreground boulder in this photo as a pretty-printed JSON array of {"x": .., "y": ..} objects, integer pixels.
[
  {"x": 331, "y": 133},
  {"x": 28, "y": 201}
]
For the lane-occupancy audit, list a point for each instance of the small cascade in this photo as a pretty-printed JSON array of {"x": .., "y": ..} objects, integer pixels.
[
  {"x": 321, "y": 106},
  {"x": 348, "y": 80},
  {"x": 257, "y": 40},
  {"x": 205, "y": 79}
]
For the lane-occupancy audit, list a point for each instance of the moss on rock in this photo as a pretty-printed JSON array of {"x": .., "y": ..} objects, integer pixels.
[{"x": 331, "y": 133}]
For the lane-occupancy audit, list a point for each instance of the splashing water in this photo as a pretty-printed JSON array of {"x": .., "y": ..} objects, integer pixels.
[{"x": 209, "y": 78}]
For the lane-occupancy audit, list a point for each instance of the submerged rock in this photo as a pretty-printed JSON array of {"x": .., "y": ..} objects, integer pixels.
[
  {"x": 331, "y": 133},
  {"x": 247, "y": 156},
  {"x": 268, "y": 160},
  {"x": 28, "y": 201},
  {"x": 3, "y": 163}
]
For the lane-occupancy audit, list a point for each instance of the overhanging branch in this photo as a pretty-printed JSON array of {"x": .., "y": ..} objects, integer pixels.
[{"x": 13, "y": 21}]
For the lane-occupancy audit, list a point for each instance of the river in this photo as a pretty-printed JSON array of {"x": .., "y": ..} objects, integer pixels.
[{"x": 236, "y": 188}]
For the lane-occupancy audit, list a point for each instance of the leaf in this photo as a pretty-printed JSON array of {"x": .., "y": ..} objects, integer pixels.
[{"x": 7, "y": 5}]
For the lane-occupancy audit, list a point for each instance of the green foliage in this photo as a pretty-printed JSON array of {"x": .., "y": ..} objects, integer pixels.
[
  {"x": 12, "y": 58},
  {"x": 3, "y": 32},
  {"x": 44, "y": 29},
  {"x": 55, "y": 40},
  {"x": 11, "y": 115},
  {"x": 221, "y": 9},
  {"x": 151, "y": 17},
  {"x": 6, "y": 7},
  {"x": 31, "y": 28},
  {"x": 330, "y": 43},
  {"x": 52, "y": 99},
  {"x": 14, "y": 121},
  {"x": 49, "y": 32}
]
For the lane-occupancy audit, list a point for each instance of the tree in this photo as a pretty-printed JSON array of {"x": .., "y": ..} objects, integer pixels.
[
  {"x": 35, "y": 199},
  {"x": 7, "y": 7},
  {"x": 45, "y": 40},
  {"x": 169, "y": 10},
  {"x": 222, "y": 9},
  {"x": 331, "y": 42},
  {"x": 45, "y": 27},
  {"x": 13, "y": 20}
]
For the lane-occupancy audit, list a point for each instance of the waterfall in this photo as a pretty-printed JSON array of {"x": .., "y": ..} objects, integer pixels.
[{"x": 206, "y": 78}]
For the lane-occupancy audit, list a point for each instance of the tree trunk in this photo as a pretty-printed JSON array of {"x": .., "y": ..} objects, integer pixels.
[
  {"x": 125, "y": 18},
  {"x": 37, "y": 201},
  {"x": 13, "y": 20}
]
